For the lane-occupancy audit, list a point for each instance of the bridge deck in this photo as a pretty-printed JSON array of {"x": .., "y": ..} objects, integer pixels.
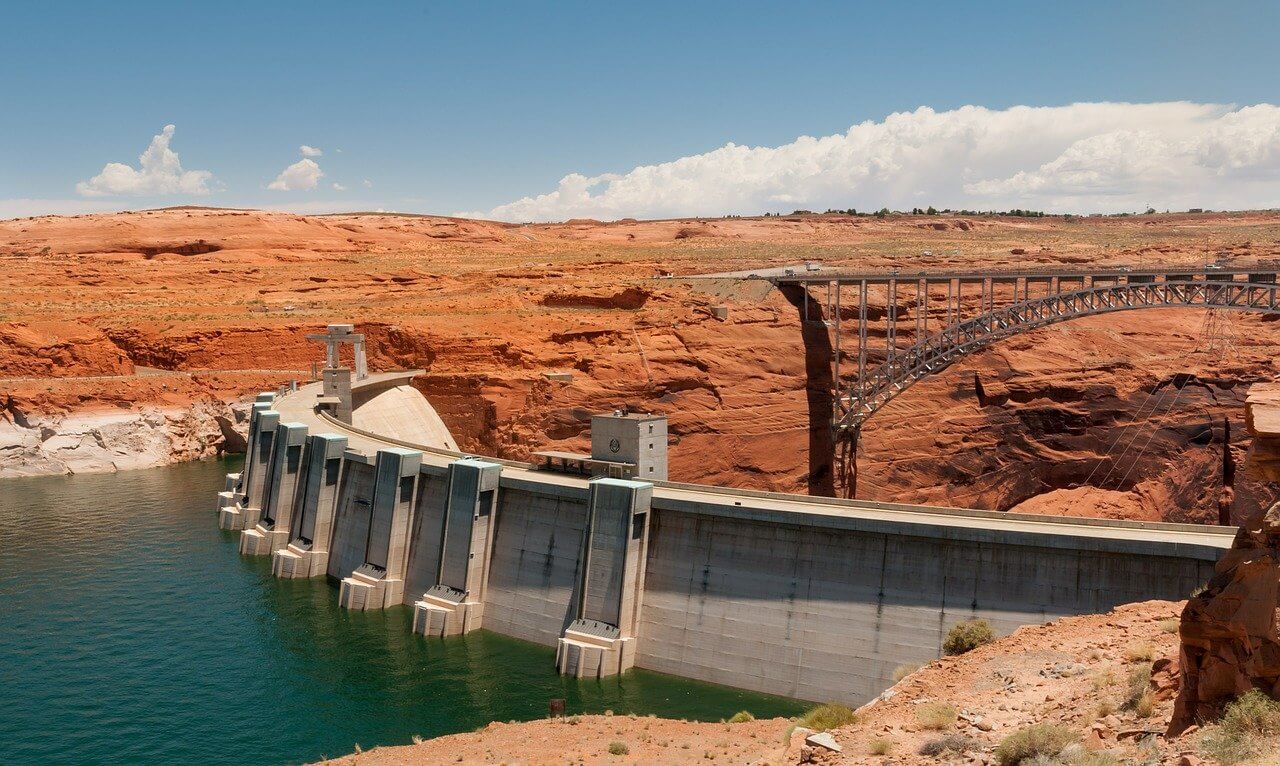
[{"x": 802, "y": 274}]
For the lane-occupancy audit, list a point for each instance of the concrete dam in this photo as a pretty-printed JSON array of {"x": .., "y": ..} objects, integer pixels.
[{"x": 602, "y": 558}]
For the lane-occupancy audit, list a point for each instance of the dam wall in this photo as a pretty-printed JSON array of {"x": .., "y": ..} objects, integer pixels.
[
  {"x": 813, "y": 612},
  {"x": 813, "y": 598}
]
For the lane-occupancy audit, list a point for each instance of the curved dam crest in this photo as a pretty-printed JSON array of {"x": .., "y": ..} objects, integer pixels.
[{"x": 812, "y": 598}]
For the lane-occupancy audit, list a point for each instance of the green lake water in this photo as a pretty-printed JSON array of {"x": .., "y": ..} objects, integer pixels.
[{"x": 132, "y": 631}]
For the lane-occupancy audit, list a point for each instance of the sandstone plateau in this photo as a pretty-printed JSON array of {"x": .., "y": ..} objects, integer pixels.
[{"x": 163, "y": 309}]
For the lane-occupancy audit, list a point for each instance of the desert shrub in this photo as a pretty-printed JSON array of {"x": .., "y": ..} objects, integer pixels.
[
  {"x": 951, "y": 743},
  {"x": 880, "y": 746},
  {"x": 1039, "y": 739},
  {"x": 902, "y": 671},
  {"x": 967, "y": 636},
  {"x": 1140, "y": 653},
  {"x": 1077, "y": 755},
  {"x": 1253, "y": 714},
  {"x": 1245, "y": 726},
  {"x": 1146, "y": 705},
  {"x": 618, "y": 748},
  {"x": 742, "y": 716},
  {"x": 1138, "y": 688},
  {"x": 824, "y": 717},
  {"x": 1170, "y": 625},
  {"x": 1105, "y": 680},
  {"x": 936, "y": 715}
]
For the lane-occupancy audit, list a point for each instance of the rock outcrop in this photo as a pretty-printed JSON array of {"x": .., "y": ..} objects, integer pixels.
[
  {"x": 1230, "y": 632},
  {"x": 102, "y": 442}
]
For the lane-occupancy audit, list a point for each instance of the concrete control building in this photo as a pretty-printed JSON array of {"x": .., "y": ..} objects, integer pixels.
[{"x": 813, "y": 598}]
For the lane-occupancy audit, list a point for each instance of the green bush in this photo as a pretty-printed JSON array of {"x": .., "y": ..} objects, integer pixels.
[
  {"x": 618, "y": 748},
  {"x": 1042, "y": 739},
  {"x": 824, "y": 717},
  {"x": 967, "y": 636},
  {"x": 742, "y": 716},
  {"x": 1245, "y": 726}
]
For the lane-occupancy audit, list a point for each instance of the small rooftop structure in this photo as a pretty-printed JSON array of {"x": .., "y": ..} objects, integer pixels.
[{"x": 624, "y": 445}]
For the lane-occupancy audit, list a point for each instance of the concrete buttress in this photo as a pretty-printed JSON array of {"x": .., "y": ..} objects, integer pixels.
[
  {"x": 272, "y": 531},
  {"x": 379, "y": 582},
  {"x": 257, "y": 465},
  {"x": 601, "y": 640},
  {"x": 455, "y": 603},
  {"x": 307, "y": 554}
]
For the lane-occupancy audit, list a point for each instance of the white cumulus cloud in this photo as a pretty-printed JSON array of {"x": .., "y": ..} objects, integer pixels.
[
  {"x": 338, "y": 187},
  {"x": 300, "y": 176},
  {"x": 309, "y": 151},
  {"x": 159, "y": 172},
  {"x": 1089, "y": 157}
]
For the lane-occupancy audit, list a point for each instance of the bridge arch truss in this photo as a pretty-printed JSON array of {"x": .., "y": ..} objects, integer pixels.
[{"x": 879, "y": 350}]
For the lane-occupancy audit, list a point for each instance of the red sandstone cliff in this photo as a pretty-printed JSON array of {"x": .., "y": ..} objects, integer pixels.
[{"x": 220, "y": 300}]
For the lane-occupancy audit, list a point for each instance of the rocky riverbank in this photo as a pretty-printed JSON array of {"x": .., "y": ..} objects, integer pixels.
[{"x": 107, "y": 441}]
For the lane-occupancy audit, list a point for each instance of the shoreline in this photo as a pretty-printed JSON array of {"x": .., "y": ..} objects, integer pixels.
[{"x": 104, "y": 441}]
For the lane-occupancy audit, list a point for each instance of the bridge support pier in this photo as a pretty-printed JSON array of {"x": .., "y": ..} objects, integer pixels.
[
  {"x": 307, "y": 554},
  {"x": 455, "y": 604},
  {"x": 379, "y": 582},
  {"x": 601, "y": 640}
]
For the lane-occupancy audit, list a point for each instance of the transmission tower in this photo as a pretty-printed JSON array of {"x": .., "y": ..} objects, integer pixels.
[{"x": 1218, "y": 335}]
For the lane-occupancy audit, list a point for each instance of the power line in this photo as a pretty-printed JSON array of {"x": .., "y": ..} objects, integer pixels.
[
  {"x": 1119, "y": 435},
  {"x": 1136, "y": 434},
  {"x": 1151, "y": 437}
]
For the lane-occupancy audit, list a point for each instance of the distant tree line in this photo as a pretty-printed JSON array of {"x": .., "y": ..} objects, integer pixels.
[{"x": 931, "y": 210}]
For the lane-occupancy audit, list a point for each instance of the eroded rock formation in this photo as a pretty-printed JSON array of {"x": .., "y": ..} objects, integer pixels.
[{"x": 1231, "y": 631}]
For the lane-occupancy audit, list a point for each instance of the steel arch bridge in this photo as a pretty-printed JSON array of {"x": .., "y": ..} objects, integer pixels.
[{"x": 880, "y": 350}]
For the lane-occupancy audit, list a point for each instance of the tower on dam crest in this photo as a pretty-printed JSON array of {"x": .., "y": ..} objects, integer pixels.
[{"x": 632, "y": 437}]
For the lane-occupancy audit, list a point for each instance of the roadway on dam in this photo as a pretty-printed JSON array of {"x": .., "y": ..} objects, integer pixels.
[{"x": 1181, "y": 540}]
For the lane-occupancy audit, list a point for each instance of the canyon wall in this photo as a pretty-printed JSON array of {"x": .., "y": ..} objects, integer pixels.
[{"x": 524, "y": 331}]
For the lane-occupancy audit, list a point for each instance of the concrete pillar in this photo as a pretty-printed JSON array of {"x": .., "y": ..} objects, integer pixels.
[
  {"x": 337, "y": 386},
  {"x": 379, "y": 582},
  {"x": 227, "y": 497},
  {"x": 272, "y": 532},
  {"x": 601, "y": 641},
  {"x": 455, "y": 604},
  {"x": 307, "y": 554},
  {"x": 257, "y": 464},
  {"x": 362, "y": 363}
]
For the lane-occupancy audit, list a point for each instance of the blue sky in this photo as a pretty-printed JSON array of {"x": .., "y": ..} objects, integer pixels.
[{"x": 472, "y": 106}]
